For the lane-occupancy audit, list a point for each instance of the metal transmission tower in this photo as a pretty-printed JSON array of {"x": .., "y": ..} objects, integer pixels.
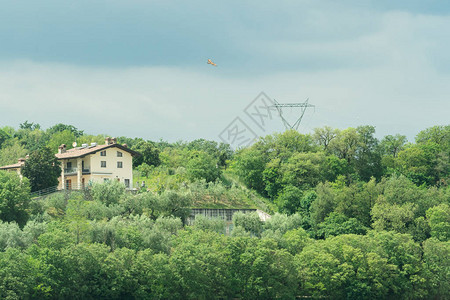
[{"x": 303, "y": 107}]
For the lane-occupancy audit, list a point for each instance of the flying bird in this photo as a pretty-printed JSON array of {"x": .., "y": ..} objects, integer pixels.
[{"x": 211, "y": 63}]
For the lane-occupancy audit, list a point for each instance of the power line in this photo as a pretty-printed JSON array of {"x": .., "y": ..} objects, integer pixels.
[{"x": 303, "y": 106}]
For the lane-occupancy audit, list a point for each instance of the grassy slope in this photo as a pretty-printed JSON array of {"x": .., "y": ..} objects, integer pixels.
[
  {"x": 246, "y": 198},
  {"x": 238, "y": 198}
]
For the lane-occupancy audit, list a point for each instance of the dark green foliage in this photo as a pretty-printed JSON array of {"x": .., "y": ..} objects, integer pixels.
[
  {"x": 337, "y": 224},
  {"x": 42, "y": 168},
  {"x": 149, "y": 154},
  {"x": 63, "y": 127},
  {"x": 288, "y": 201},
  {"x": 249, "y": 164}
]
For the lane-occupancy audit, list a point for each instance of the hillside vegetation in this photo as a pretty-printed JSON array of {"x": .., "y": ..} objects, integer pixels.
[{"x": 354, "y": 217}]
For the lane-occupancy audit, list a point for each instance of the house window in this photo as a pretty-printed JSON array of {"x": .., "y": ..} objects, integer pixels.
[
  {"x": 127, "y": 183},
  {"x": 103, "y": 153},
  {"x": 119, "y": 154},
  {"x": 119, "y": 164},
  {"x": 103, "y": 164},
  {"x": 69, "y": 165}
]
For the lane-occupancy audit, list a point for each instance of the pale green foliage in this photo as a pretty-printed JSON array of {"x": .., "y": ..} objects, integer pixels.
[
  {"x": 212, "y": 224},
  {"x": 250, "y": 222},
  {"x": 324, "y": 136},
  {"x": 239, "y": 231},
  {"x": 439, "y": 221},
  {"x": 14, "y": 198},
  {"x": 108, "y": 192},
  {"x": 393, "y": 216},
  {"x": 283, "y": 223},
  {"x": 437, "y": 267},
  {"x": 295, "y": 240},
  {"x": 65, "y": 137},
  {"x": 11, "y": 236},
  {"x": 76, "y": 221},
  {"x": 11, "y": 151}
]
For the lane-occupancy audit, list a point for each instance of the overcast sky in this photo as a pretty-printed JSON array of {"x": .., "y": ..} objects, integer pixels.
[{"x": 138, "y": 68}]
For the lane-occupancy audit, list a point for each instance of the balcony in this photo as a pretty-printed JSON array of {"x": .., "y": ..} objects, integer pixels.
[{"x": 73, "y": 171}]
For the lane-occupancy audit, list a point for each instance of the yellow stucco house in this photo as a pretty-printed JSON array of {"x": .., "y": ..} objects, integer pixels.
[
  {"x": 95, "y": 163},
  {"x": 87, "y": 164}
]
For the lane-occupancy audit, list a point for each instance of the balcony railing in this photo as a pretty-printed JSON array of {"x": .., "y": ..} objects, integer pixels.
[{"x": 70, "y": 171}]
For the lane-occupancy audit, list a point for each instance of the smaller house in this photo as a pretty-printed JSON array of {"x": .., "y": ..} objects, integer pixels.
[{"x": 15, "y": 167}]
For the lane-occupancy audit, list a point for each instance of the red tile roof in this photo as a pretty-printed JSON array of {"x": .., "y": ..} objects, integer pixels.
[
  {"x": 14, "y": 166},
  {"x": 81, "y": 152}
]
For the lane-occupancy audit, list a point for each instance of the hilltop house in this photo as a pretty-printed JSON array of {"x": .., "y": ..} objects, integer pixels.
[
  {"x": 95, "y": 163},
  {"x": 90, "y": 163}
]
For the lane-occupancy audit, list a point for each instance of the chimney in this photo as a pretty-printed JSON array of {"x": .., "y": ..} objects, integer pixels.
[
  {"x": 113, "y": 140},
  {"x": 62, "y": 149},
  {"x": 107, "y": 141},
  {"x": 125, "y": 145}
]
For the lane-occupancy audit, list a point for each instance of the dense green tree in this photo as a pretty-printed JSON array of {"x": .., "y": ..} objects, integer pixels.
[
  {"x": 323, "y": 136},
  {"x": 4, "y": 136},
  {"x": 424, "y": 164},
  {"x": 201, "y": 165},
  {"x": 342, "y": 269},
  {"x": 353, "y": 201},
  {"x": 29, "y": 126},
  {"x": 170, "y": 203},
  {"x": 345, "y": 144},
  {"x": 250, "y": 222},
  {"x": 200, "y": 266},
  {"x": 154, "y": 276},
  {"x": 31, "y": 136},
  {"x": 42, "y": 168},
  {"x": 288, "y": 201},
  {"x": 437, "y": 268},
  {"x": 391, "y": 145},
  {"x": 439, "y": 221},
  {"x": 108, "y": 192},
  {"x": 64, "y": 127},
  {"x": 284, "y": 145},
  {"x": 11, "y": 151},
  {"x": 65, "y": 137},
  {"x": 19, "y": 276},
  {"x": 249, "y": 164},
  {"x": 14, "y": 198},
  {"x": 337, "y": 224},
  {"x": 220, "y": 151},
  {"x": 439, "y": 135},
  {"x": 368, "y": 158},
  {"x": 214, "y": 224},
  {"x": 149, "y": 154}
]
